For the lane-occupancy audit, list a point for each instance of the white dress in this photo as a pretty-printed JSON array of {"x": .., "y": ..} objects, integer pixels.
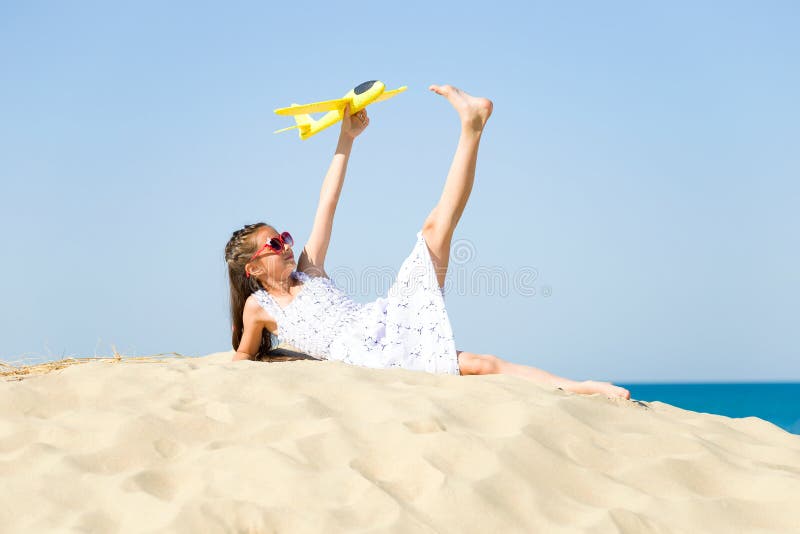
[{"x": 409, "y": 328}]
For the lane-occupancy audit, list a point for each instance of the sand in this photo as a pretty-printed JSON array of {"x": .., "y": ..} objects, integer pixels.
[{"x": 208, "y": 445}]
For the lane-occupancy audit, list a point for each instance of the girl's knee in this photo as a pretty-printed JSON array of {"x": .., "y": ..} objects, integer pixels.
[
  {"x": 490, "y": 364},
  {"x": 478, "y": 364}
]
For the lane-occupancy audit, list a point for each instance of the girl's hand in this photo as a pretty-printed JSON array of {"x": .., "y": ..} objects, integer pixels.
[{"x": 352, "y": 125}]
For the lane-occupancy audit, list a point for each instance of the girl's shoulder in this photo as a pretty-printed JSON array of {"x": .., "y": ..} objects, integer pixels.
[{"x": 255, "y": 312}]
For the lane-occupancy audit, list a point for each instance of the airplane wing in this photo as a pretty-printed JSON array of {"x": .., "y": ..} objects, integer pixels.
[
  {"x": 287, "y": 129},
  {"x": 316, "y": 107},
  {"x": 386, "y": 95}
]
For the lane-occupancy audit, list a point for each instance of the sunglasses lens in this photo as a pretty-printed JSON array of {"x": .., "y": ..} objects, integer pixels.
[
  {"x": 275, "y": 244},
  {"x": 287, "y": 238}
]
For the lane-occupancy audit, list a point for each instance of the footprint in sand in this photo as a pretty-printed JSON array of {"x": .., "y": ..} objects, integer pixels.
[
  {"x": 155, "y": 482},
  {"x": 424, "y": 426}
]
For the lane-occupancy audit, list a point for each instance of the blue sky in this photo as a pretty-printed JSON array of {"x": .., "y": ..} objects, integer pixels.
[{"x": 641, "y": 160}]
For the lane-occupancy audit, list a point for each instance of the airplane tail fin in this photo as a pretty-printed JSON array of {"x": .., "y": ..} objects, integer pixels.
[{"x": 304, "y": 123}]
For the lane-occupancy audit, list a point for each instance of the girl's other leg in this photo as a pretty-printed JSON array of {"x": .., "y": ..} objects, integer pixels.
[
  {"x": 471, "y": 363},
  {"x": 440, "y": 224}
]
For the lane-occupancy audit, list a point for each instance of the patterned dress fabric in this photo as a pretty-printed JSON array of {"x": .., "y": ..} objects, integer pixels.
[{"x": 409, "y": 328}]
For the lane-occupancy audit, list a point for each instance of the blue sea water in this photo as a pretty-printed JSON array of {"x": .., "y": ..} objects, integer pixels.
[{"x": 776, "y": 402}]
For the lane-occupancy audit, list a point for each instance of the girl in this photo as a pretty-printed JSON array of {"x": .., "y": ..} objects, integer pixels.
[{"x": 272, "y": 293}]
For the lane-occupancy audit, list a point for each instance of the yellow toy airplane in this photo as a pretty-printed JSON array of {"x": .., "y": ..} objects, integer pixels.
[{"x": 360, "y": 97}]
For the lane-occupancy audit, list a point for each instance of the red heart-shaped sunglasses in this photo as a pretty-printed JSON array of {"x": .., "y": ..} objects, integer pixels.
[{"x": 276, "y": 244}]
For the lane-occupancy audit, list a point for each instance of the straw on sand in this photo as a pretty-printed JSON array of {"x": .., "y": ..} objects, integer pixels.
[
  {"x": 19, "y": 370},
  {"x": 11, "y": 371}
]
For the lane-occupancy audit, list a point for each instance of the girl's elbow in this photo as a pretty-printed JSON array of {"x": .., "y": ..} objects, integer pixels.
[{"x": 241, "y": 356}]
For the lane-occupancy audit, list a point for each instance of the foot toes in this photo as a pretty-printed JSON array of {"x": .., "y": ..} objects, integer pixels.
[{"x": 443, "y": 90}]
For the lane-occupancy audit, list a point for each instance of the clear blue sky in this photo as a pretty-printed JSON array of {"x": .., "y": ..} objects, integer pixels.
[{"x": 642, "y": 158}]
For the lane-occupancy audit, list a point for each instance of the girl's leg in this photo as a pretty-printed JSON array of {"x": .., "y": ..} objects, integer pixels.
[
  {"x": 484, "y": 364},
  {"x": 440, "y": 224}
]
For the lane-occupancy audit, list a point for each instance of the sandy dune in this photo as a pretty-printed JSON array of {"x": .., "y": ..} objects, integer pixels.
[{"x": 206, "y": 445}]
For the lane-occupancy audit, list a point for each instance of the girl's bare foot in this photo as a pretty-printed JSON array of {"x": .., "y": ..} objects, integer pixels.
[
  {"x": 606, "y": 388},
  {"x": 474, "y": 111}
]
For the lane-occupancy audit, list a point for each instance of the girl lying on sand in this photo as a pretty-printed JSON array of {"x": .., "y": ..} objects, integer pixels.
[{"x": 409, "y": 328}]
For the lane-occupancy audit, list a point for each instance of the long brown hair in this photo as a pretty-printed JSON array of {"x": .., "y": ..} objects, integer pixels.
[{"x": 241, "y": 246}]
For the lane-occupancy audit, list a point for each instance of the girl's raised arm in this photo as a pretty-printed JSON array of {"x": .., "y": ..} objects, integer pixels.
[{"x": 312, "y": 259}]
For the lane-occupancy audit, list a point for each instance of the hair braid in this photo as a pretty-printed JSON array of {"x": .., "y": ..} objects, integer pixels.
[{"x": 240, "y": 247}]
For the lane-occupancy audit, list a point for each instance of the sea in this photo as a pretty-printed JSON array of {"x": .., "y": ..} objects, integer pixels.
[{"x": 776, "y": 402}]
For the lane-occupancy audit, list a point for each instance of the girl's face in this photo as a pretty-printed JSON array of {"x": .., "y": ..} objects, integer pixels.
[{"x": 269, "y": 263}]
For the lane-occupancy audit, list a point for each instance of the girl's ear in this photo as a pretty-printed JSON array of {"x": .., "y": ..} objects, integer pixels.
[{"x": 252, "y": 270}]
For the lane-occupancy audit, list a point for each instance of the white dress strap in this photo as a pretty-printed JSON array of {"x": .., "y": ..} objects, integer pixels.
[{"x": 266, "y": 302}]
